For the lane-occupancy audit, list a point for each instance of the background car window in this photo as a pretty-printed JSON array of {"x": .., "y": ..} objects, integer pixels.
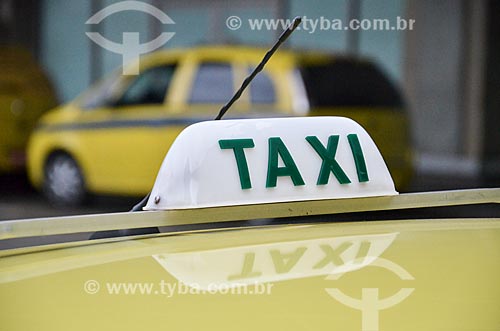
[
  {"x": 150, "y": 87},
  {"x": 262, "y": 89},
  {"x": 349, "y": 83},
  {"x": 102, "y": 94},
  {"x": 214, "y": 83}
]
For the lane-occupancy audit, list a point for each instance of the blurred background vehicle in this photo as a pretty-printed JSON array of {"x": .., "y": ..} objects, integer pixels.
[
  {"x": 25, "y": 94},
  {"x": 113, "y": 138}
]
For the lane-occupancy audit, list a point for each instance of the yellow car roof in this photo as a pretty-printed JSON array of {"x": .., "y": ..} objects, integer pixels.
[
  {"x": 246, "y": 53},
  {"x": 386, "y": 274}
]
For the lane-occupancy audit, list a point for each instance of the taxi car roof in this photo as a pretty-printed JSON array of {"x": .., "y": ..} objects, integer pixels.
[
  {"x": 453, "y": 285},
  {"x": 253, "y": 52}
]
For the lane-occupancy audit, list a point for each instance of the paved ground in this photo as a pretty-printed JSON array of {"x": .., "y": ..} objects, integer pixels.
[{"x": 19, "y": 200}]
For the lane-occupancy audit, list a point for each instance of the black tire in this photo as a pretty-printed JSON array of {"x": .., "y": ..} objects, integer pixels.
[{"x": 63, "y": 183}]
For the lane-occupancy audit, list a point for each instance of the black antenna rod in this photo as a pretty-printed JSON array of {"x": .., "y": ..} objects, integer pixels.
[{"x": 261, "y": 65}]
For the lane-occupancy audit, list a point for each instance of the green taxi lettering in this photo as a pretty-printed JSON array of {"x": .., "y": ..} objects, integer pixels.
[
  {"x": 359, "y": 158},
  {"x": 278, "y": 150},
  {"x": 238, "y": 146},
  {"x": 329, "y": 163}
]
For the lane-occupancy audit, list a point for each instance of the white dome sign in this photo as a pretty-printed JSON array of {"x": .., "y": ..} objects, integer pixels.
[{"x": 255, "y": 161}]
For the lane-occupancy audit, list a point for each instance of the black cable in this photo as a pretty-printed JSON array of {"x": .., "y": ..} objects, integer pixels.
[{"x": 141, "y": 204}]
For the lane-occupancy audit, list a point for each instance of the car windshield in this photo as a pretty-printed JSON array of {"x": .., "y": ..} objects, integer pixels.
[
  {"x": 102, "y": 93},
  {"x": 349, "y": 83},
  {"x": 150, "y": 87}
]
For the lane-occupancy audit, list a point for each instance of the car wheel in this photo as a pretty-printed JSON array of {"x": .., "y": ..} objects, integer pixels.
[{"x": 64, "y": 184}]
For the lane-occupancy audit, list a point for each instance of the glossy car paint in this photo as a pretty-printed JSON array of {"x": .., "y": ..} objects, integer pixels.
[{"x": 448, "y": 267}]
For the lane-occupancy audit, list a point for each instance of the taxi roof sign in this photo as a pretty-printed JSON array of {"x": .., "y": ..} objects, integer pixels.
[{"x": 254, "y": 161}]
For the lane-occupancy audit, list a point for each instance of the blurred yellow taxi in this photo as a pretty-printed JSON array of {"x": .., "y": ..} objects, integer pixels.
[
  {"x": 25, "y": 94},
  {"x": 112, "y": 138}
]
